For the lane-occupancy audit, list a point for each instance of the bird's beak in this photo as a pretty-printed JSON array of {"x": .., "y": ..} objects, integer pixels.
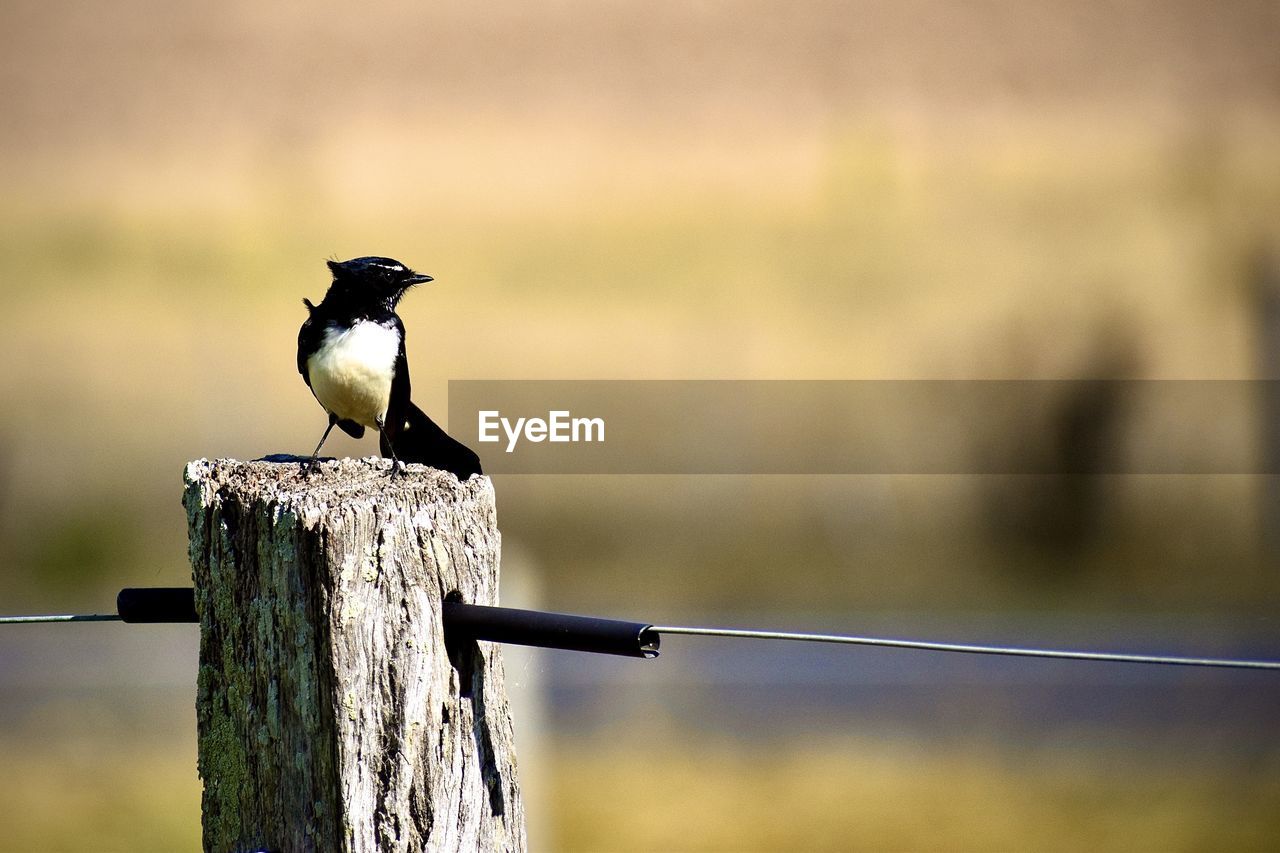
[{"x": 419, "y": 278}]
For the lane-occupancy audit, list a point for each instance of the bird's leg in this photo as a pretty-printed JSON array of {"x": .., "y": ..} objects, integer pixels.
[
  {"x": 311, "y": 465},
  {"x": 397, "y": 467}
]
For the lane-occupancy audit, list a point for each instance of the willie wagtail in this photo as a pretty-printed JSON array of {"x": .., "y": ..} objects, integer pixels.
[{"x": 351, "y": 354}]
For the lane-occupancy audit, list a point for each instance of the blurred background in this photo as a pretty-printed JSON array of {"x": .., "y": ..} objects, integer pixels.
[{"x": 669, "y": 190}]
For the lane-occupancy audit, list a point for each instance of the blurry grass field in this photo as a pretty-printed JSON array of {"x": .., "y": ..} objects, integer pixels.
[
  {"x": 144, "y": 340},
  {"x": 74, "y": 795},
  {"x": 1045, "y": 251},
  {"x": 823, "y": 792},
  {"x": 82, "y": 774},
  {"x": 826, "y": 793}
]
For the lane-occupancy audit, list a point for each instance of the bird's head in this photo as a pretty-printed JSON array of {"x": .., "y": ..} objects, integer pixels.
[{"x": 382, "y": 279}]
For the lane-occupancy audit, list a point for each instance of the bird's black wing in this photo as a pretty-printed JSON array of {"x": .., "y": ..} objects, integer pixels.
[
  {"x": 422, "y": 440},
  {"x": 309, "y": 338},
  {"x": 398, "y": 405},
  {"x": 352, "y": 428}
]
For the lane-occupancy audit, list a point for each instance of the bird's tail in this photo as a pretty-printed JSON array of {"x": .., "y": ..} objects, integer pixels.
[{"x": 422, "y": 440}]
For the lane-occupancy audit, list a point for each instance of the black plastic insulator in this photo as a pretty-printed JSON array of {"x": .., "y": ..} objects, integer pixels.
[
  {"x": 157, "y": 604},
  {"x": 548, "y": 630}
]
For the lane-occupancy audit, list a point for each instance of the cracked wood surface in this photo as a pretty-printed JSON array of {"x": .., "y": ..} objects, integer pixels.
[{"x": 331, "y": 716}]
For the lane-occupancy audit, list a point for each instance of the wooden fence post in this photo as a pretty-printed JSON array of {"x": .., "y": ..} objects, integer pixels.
[{"x": 331, "y": 716}]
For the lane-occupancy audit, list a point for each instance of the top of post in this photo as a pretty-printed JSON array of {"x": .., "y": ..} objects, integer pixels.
[{"x": 279, "y": 479}]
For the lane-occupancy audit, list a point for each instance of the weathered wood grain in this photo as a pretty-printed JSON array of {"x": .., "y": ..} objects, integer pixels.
[{"x": 331, "y": 716}]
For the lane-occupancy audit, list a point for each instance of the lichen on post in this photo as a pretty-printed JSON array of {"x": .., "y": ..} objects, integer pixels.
[{"x": 331, "y": 715}]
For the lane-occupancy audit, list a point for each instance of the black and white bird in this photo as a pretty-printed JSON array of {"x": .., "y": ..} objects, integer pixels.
[{"x": 351, "y": 353}]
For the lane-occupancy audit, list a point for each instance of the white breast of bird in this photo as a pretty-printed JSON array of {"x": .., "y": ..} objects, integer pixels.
[{"x": 351, "y": 372}]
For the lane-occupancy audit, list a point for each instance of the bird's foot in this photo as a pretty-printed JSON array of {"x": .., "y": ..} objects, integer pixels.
[
  {"x": 309, "y": 468},
  {"x": 398, "y": 469}
]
